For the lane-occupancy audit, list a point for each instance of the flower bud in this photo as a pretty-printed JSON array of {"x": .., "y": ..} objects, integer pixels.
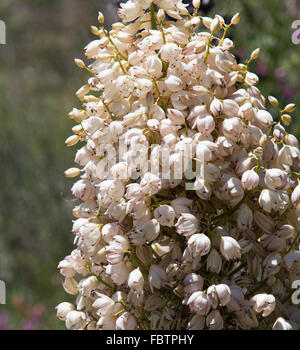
[
  {"x": 244, "y": 217},
  {"x": 250, "y": 180},
  {"x": 286, "y": 119},
  {"x": 199, "y": 244},
  {"x": 192, "y": 283},
  {"x": 282, "y": 325},
  {"x": 295, "y": 197},
  {"x": 72, "y": 140},
  {"x": 126, "y": 322},
  {"x": 84, "y": 90},
  {"x": 70, "y": 286},
  {"x": 72, "y": 172},
  {"x": 274, "y": 102},
  {"x": 235, "y": 19},
  {"x": 196, "y": 3},
  {"x": 214, "y": 26},
  {"x": 75, "y": 320},
  {"x": 218, "y": 295},
  {"x": 161, "y": 15},
  {"x": 230, "y": 248},
  {"x": 100, "y": 17},
  {"x": 264, "y": 222},
  {"x": 263, "y": 303},
  {"x": 136, "y": 280},
  {"x": 276, "y": 179},
  {"x": 289, "y": 108},
  {"x": 255, "y": 54},
  {"x": 165, "y": 215},
  {"x": 207, "y": 22},
  {"x": 63, "y": 309},
  {"x": 198, "y": 302},
  {"x": 79, "y": 63},
  {"x": 187, "y": 224},
  {"x": 286, "y": 232},
  {"x": 214, "y": 262},
  {"x": 177, "y": 117},
  {"x": 173, "y": 83},
  {"x": 278, "y": 132},
  {"x": 157, "y": 277}
]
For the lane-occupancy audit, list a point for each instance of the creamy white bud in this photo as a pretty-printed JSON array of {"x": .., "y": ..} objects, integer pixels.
[
  {"x": 126, "y": 322},
  {"x": 230, "y": 248},
  {"x": 136, "y": 280},
  {"x": 250, "y": 179},
  {"x": 218, "y": 295},
  {"x": 173, "y": 83},
  {"x": 276, "y": 179},
  {"x": 63, "y": 309},
  {"x": 75, "y": 320},
  {"x": 199, "y": 244},
  {"x": 187, "y": 224},
  {"x": 198, "y": 302}
]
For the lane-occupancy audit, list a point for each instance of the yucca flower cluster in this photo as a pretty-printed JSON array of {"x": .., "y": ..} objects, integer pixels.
[{"x": 189, "y": 190}]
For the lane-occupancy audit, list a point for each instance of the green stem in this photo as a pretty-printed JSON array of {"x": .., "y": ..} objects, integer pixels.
[{"x": 153, "y": 19}]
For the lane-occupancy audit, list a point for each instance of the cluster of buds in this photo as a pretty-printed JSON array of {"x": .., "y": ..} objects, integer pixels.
[{"x": 188, "y": 213}]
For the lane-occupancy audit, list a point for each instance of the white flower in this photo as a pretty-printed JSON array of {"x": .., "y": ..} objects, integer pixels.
[
  {"x": 199, "y": 244},
  {"x": 276, "y": 179},
  {"x": 118, "y": 272},
  {"x": 250, "y": 179},
  {"x": 126, "y": 322},
  {"x": 75, "y": 320},
  {"x": 63, "y": 309},
  {"x": 177, "y": 141},
  {"x": 218, "y": 294},
  {"x": 157, "y": 277},
  {"x": 173, "y": 83},
  {"x": 199, "y": 303},
  {"x": 230, "y": 248},
  {"x": 165, "y": 215},
  {"x": 263, "y": 303},
  {"x": 187, "y": 224},
  {"x": 282, "y": 325},
  {"x": 136, "y": 280},
  {"x": 244, "y": 217},
  {"x": 192, "y": 283},
  {"x": 214, "y": 262}
]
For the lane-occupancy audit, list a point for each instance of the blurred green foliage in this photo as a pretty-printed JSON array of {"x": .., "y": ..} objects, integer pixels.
[{"x": 37, "y": 83}]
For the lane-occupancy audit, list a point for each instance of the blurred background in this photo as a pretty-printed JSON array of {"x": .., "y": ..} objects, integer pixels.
[{"x": 38, "y": 80}]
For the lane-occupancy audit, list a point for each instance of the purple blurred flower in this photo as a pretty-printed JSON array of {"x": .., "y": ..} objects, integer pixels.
[
  {"x": 262, "y": 69},
  {"x": 28, "y": 325},
  {"x": 280, "y": 74},
  {"x": 288, "y": 93},
  {"x": 4, "y": 318}
]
